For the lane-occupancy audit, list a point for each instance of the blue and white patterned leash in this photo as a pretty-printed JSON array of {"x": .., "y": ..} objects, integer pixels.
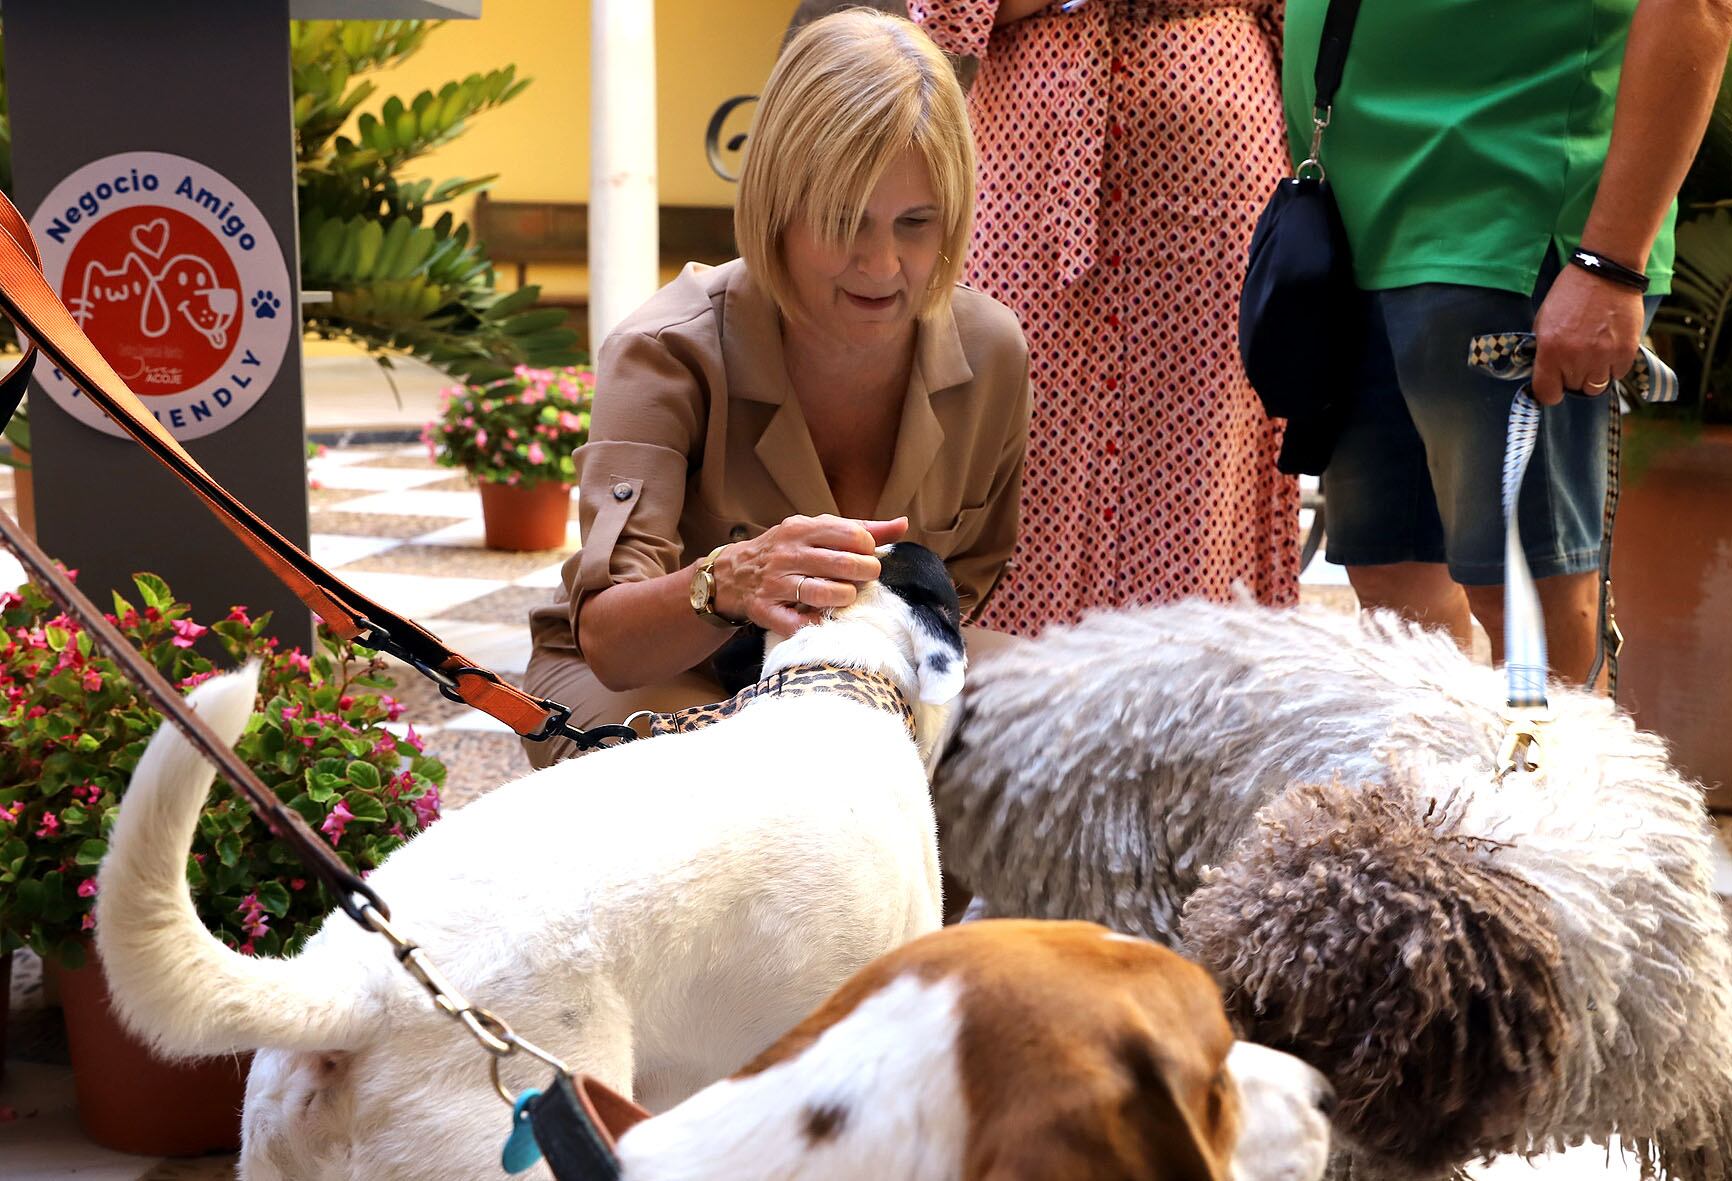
[{"x": 1510, "y": 357}]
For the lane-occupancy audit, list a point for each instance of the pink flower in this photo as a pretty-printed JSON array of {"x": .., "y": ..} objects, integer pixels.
[
  {"x": 570, "y": 421},
  {"x": 346, "y": 701},
  {"x": 10, "y": 599},
  {"x": 291, "y": 711},
  {"x": 89, "y": 923},
  {"x": 87, "y": 888},
  {"x": 50, "y": 825},
  {"x": 297, "y": 883},
  {"x": 481, "y": 438},
  {"x": 238, "y": 614},
  {"x": 426, "y": 807},
  {"x": 11, "y": 815},
  {"x": 414, "y": 739},
  {"x": 92, "y": 680},
  {"x": 393, "y": 708},
  {"x": 337, "y": 822},
  {"x": 300, "y": 661},
  {"x": 247, "y": 948},
  {"x": 188, "y": 682},
  {"x": 536, "y": 454},
  {"x": 386, "y": 745},
  {"x": 185, "y": 632}
]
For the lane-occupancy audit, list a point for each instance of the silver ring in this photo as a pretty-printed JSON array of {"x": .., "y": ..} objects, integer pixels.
[
  {"x": 799, "y": 589},
  {"x": 1594, "y": 387}
]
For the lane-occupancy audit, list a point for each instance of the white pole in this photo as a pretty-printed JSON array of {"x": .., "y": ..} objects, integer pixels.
[{"x": 623, "y": 237}]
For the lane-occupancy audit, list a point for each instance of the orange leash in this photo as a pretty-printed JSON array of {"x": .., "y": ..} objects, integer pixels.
[{"x": 44, "y": 321}]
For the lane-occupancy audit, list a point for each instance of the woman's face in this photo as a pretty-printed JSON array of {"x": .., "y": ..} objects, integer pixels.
[{"x": 868, "y": 291}]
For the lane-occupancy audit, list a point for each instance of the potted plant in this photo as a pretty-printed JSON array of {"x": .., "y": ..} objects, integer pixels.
[
  {"x": 72, "y": 728},
  {"x": 515, "y": 437},
  {"x": 1672, "y": 561}
]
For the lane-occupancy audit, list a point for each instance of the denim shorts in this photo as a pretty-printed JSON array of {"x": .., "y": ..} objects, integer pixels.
[{"x": 1415, "y": 476}]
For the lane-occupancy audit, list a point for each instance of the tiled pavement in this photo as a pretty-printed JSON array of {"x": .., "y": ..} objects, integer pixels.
[{"x": 408, "y": 534}]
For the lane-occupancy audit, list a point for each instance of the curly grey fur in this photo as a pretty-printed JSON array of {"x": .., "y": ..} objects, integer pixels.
[{"x": 1479, "y": 967}]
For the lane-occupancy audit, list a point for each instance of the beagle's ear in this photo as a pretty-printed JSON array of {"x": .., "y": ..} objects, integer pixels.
[{"x": 1139, "y": 1132}]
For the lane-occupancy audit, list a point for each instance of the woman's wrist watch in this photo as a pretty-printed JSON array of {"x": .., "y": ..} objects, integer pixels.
[{"x": 703, "y": 593}]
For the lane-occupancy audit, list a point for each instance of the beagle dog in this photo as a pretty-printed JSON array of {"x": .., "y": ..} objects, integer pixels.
[
  {"x": 654, "y": 914},
  {"x": 1001, "y": 1050}
]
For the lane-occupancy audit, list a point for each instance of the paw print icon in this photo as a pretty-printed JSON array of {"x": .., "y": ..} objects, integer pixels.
[{"x": 266, "y": 305}]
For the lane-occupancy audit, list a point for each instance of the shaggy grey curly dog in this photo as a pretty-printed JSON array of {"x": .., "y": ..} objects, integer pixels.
[{"x": 1306, "y": 803}]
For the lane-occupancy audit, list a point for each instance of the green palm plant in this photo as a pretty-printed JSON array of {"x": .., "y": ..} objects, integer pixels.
[{"x": 397, "y": 283}]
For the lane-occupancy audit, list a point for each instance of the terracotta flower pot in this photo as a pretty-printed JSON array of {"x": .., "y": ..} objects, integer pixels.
[
  {"x": 131, "y": 1101},
  {"x": 515, "y": 517},
  {"x": 1672, "y": 576}
]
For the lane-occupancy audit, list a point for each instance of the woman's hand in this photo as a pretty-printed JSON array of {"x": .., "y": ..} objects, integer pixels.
[{"x": 782, "y": 578}]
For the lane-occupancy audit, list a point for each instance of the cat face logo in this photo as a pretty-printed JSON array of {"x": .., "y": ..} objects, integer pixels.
[{"x": 177, "y": 278}]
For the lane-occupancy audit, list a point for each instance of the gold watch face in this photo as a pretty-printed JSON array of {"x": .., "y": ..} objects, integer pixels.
[{"x": 703, "y": 586}]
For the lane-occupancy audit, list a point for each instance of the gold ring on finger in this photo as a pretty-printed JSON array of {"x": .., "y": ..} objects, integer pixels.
[
  {"x": 800, "y": 589},
  {"x": 1594, "y": 387}
]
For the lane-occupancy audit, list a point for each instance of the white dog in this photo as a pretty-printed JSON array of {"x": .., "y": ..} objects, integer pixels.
[{"x": 653, "y": 914}]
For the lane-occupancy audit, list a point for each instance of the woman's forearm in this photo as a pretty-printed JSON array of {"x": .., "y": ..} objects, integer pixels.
[{"x": 638, "y": 633}]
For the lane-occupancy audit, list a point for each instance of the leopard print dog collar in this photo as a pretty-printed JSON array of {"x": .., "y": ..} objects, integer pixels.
[{"x": 868, "y": 688}]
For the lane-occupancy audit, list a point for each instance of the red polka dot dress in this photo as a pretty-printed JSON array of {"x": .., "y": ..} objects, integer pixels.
[{"x": 1125, "y": 152}]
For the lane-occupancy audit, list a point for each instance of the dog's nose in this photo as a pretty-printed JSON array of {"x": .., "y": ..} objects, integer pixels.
[{"x": 1326, "y": 1101}]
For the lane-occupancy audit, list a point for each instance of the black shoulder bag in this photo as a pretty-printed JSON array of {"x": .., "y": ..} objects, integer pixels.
[{"x": 1299, "y": 317}]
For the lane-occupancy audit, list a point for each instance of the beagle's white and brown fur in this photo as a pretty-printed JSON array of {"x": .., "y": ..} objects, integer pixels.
[{"x": 1003, "y": 1050}]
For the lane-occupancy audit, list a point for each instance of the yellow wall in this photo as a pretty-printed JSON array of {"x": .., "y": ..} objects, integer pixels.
[{"x": 706, "y": 51}]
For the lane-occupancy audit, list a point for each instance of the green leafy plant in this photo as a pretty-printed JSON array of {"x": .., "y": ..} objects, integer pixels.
[
  {"x": 397, "y": 283},
  {"x": 521, "y": 430},
  {"x": 72, "y": 728}
]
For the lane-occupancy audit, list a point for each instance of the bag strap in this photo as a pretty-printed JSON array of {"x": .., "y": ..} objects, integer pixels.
[
  {"x": 38, "y": 313},
  {"x": 1338, "y": 24}
]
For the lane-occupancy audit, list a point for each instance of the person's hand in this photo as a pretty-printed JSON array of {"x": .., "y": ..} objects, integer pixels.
[
  {"x": 782, "y": 578},
  {"x": 1587, "y": 331}
]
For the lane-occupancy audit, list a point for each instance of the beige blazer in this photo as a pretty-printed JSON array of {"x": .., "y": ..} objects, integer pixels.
[{"x": 697, "y": 439}]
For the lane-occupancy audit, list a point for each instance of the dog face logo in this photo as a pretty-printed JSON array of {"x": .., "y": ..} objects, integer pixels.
[
  {"x": 175, "y": 277},
  {"x": 158, "y": 295}
]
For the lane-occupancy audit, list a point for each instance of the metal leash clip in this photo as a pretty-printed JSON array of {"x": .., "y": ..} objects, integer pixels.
[{"x": 1521, "y": 746}]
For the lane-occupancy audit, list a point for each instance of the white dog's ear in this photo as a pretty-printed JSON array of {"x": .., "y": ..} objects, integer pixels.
[
  {"x": 918, "y": 577},
  {"x": 939, "y": 660}
]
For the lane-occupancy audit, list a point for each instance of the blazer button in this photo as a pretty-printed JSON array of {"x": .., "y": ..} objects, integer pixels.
[
  {"x": 739, "y": 533},
  {"x": 622, "y": 491}
]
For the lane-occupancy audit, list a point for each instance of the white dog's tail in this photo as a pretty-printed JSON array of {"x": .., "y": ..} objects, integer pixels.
[{"x": 172, "y": 981}]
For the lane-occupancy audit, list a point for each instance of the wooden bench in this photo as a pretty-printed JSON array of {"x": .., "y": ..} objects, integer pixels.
[{"x": 521, "y": 234}]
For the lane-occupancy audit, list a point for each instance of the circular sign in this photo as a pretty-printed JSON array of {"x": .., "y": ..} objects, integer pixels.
[{"x": 175, "y": 276}]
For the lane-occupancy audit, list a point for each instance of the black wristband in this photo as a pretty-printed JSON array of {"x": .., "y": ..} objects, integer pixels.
[{"x": 1605, "y": 268}]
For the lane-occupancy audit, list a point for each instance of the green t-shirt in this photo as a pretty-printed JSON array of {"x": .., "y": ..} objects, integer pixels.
[{"x": 1467, "y": 135}]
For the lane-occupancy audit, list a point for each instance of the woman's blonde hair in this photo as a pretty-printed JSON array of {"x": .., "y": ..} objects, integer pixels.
[{"x": 850, "y": 94}]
